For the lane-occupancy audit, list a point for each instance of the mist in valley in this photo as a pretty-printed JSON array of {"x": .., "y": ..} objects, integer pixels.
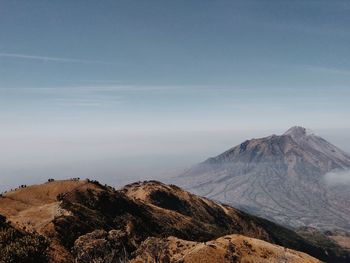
[{"x": 119, "y": 158}]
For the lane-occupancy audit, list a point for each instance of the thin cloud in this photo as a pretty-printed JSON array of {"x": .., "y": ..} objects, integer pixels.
[
  {"x": 130, "y": 87},
  {"x": 52, "y": 59},
  {"x": 328, "y": 70}
]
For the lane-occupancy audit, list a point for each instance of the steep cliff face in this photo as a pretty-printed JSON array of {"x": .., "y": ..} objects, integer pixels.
[
  {"x": 278, "y": 177},
  {"x": 83, "y": 221}
]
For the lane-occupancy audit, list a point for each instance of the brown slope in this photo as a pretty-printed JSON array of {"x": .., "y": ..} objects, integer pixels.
[
  {"x": 35, "y": 208},
  {"x": 226, "y": 249},
  {"x": 129, "y": 216}
]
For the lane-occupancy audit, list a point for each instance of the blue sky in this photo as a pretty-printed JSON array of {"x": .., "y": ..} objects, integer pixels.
[{"x": 165, "y": 78}]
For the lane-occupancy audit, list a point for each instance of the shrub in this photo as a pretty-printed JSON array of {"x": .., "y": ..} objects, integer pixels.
[{"x": 17, "y": 246}]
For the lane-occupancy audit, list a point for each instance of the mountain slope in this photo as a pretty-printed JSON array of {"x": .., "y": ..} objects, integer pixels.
[
  {"x": 87, "y": 220},
  {"x": 226, "y": 249},
  {"x": 278, "y": 177}
]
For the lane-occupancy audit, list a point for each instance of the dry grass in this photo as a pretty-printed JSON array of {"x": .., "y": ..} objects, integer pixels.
[
  {"x": 34, "y": 207},
  {"x": 231, "y": 248}
]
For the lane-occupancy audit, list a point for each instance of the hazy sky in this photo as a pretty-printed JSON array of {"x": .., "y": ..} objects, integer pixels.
[{"x": 130, "y": 89}]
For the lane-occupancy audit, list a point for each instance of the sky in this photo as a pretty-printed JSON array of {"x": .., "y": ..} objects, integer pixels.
[{"x": 123, "y": 90}]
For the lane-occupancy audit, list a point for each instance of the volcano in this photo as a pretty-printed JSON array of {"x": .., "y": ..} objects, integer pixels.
[{"x": 279, "y": 177}]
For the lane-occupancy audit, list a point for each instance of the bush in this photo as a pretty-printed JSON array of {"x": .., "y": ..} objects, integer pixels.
[{"x": 17, "y": 246}]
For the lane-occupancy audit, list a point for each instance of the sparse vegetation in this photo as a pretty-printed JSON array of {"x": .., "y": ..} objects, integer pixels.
[{"x": 21, "y": 247}]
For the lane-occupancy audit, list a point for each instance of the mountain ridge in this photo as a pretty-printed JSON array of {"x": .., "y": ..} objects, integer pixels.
[{"x": 97, "y": 223}]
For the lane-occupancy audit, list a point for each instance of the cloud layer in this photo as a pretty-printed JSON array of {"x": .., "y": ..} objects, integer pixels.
[{"x": 338, "y": 177}]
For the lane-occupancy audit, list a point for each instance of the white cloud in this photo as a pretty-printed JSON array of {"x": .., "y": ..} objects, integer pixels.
[
  {"x": 328, "y": 70},
  {"x": 52, "y": 59},
  {"x": 338, "y": 177}
]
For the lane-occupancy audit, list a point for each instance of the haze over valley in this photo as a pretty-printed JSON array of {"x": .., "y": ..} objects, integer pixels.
[{"x": 118, "y": 158}]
